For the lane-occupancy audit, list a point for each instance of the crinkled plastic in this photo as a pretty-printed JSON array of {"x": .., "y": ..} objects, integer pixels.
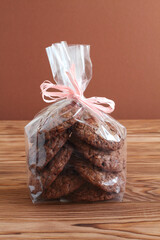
[{"x": 74, "y": 154}]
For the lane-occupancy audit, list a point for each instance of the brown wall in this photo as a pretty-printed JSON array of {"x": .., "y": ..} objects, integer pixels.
[{"x": 125, "y": 48}]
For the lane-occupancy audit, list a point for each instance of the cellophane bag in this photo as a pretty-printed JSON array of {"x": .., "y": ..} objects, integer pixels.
[{"x": 74, "y": 153}]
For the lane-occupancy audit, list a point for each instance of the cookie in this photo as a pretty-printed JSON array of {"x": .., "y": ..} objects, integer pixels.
[
  {"x": 67, "y": 182},
  {"x": 31, "y": 155},
  {"x": 56, "y": 165},
  {"x": 107, "y": 160},
  {"x": 90, "y": 193},
  {"x": 62, "y": 119},
  {"x": 50, "y": 149},
  {"x": 39, "y": 155},
  {"x": 92, "y": 133},
  {"x": 35, "y": 186},
  {"x": 107, "y": 181}
]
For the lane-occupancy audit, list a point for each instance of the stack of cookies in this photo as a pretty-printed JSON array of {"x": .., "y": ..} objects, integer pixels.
[{"x": 75, "y": 158}]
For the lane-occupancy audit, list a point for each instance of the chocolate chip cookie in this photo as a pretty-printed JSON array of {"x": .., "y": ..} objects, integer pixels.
[
  {"x": 107, "y": 181},
  {"x": 35, "y": 186},
  {"x": 39, "y": 155},
  {"x": 56, "y": 165},
  {"x": 98, "y": 134},
  {"x": 50, "y": 149},
  {"x": 62, "y": 119},
  {"x": 89, "y": 192},
  {"x": 107, "y": 160},
  {"x": 68, "y": 181}
]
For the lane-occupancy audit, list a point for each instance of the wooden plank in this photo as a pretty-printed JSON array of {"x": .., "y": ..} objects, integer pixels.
[
  {"x": 83, "y": 221},
  {"x": 12, "y": 127},
  {"x": 142, "y": 126}
]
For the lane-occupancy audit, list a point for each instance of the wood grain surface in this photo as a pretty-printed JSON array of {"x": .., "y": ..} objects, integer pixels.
[{"x": 137, "y": 217}]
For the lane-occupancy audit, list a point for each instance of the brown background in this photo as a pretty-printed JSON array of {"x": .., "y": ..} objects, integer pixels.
[{"x": 125, "y": 49}]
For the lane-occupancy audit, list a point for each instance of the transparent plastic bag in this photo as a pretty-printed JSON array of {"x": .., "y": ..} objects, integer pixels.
[{"x": 73, "y": 153}]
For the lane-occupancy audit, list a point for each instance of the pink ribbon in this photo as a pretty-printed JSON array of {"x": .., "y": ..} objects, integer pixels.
[{"x": 94, "y": 103}]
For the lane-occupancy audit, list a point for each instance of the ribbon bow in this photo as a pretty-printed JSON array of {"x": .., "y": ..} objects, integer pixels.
[{"x": 94, "y": 103}]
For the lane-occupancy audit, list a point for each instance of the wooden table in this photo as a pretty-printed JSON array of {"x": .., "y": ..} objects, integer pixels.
[{"x": 138, "y": 217}]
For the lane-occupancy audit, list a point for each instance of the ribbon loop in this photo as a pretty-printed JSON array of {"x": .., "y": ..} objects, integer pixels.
[{"x": 94, "y": 103}]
